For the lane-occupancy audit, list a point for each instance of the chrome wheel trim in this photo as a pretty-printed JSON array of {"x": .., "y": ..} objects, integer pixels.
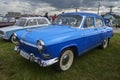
[
  {"x": 105, "y": 43},
  {"x": 12, "y": 39}
]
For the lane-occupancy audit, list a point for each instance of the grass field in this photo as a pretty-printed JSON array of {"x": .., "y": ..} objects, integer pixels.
[{"x": 97, "y": 64}]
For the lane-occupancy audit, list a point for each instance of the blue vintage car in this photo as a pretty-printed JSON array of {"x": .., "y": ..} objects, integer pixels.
[
  {"x": 23, "y": 23},
  {"x": 72, "y": 34}
]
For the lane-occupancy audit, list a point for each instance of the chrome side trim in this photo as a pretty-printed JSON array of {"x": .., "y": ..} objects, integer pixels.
[{"x": 28, "y": 43}]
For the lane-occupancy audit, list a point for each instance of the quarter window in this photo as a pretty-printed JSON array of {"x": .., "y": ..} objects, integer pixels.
[
  {"x": 32, "y": 22},
  {"x": 42, "y": 21},
  {"x": 89, "y": 22},
  {"x": 99, "y": 22}
]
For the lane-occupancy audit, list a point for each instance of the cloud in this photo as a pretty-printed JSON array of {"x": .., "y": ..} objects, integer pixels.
[
  {"x": 62, "y": 4},
  {"x": 15, "y": 6},
  {"x": 5, "y": 2},
  {"x": 43, "y": 8},
  {"x": 40, "y": 6}
]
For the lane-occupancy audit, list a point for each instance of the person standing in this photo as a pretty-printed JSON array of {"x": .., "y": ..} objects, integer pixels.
[
  {"x": 53, "y": 17},
  {"x": 46, "y": 15}
]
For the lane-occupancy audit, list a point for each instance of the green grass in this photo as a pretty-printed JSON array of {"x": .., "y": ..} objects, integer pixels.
[{"x": 97, "y": 64}]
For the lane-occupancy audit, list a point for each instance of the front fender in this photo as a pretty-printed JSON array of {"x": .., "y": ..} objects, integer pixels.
[
  {"x": 67, "y": 47},
  {"x": 9, "y": 34}
]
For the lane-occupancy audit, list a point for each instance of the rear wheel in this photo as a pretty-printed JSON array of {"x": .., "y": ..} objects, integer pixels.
[
  {"x": 65, "y": 60},
  {"x": 105, "y": 43}
]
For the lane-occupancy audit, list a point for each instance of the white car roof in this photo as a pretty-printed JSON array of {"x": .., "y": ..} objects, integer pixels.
[{"x": 32, "y": 17}]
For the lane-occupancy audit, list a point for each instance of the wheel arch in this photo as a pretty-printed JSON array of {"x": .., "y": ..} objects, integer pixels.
[
  {"x": 71, "y": 47},
  {"x": 11, "y": 36}
]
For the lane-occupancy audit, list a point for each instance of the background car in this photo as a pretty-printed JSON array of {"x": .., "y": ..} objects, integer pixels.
[
  {"x": 23, "y": 23},
  {"x": 7, "y": 21},
  {"x": 118, "y": 24},
  {"x": 72, "y": 34}
]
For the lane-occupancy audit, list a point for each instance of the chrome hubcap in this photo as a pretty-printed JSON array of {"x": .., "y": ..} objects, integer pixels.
[
  {"x": 105, "y": 43},
  {"x": 65, "y": 60}
]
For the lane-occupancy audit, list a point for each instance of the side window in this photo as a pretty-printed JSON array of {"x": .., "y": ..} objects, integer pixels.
[
  {"x": 42, "y": 21},
  {"x": 31, "y": 22},
  {"x": 89, "y": 22},
  {"x": 99, "y": 22}
]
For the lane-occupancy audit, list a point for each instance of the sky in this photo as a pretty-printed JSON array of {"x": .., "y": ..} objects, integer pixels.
[{"x": 42, "y": 6}]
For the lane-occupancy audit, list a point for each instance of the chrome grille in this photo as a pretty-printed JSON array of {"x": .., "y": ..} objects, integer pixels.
[{"x": 1, "y": 33}]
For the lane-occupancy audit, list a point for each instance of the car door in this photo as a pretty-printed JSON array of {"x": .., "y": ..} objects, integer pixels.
[
  {"x": 91, "y": 33},
  {"x": 101, "y": 28}
]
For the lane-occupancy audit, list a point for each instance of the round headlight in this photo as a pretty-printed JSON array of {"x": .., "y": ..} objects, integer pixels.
[{"x": 40, "y": 45}]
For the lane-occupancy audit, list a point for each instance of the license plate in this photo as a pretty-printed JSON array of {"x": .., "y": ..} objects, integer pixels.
[{"x": 24, "y": 54}]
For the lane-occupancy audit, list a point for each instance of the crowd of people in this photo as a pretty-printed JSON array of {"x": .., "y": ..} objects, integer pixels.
[{"x": 51, "y": 18}]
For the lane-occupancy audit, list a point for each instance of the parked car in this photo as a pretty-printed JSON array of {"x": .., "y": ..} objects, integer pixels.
[
  {"x": 7, "y": 21},
  {"x": 72, "y": 34},
  {"x": 23, "y": 23},
  {"x": 118, "y": 24},
  {"x": 109, "y": 19}
]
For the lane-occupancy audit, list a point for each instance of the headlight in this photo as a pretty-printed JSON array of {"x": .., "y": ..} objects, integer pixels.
[
  {"x": 40, "y": 45},
  {"x": 14, "y": 38}
]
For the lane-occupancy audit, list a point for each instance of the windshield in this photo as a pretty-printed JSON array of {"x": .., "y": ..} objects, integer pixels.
[
  {"x": 20, "y": 22},
  {"x": 69, "y": 20}
]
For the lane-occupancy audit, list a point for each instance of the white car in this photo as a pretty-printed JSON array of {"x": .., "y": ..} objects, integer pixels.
[{"x": 23, "y": 23}]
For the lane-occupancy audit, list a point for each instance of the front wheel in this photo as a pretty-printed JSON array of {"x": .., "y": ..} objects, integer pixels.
[
  {"x": 65, "y": 60},
  {"x": 13, "y": 39}
]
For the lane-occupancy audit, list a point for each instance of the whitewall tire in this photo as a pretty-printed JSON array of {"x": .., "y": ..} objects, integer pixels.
[
  {"x": 65, "y": 60},
  {"x": 105, "y": 43},
  {"x": 13, "y": 39}
]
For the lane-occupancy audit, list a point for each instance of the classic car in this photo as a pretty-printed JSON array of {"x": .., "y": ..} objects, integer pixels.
[
  {"x": 118, "y": 24},
  {"x": 7, "y": 21},
  {"x": 71, "y": 34},
  {"x": 23, "y": 23}
]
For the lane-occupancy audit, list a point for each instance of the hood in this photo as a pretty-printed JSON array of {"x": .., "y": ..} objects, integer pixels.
[
  {"x": 48, "y": 34},
  {"x": 10, "y": 28}
]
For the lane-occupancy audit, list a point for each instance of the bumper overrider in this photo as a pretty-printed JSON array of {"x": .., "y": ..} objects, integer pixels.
[
  {"x": 32, "y": 57},
  {"x": 2, "y": 36}
]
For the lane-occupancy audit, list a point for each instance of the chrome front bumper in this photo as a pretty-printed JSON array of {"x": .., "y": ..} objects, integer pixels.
[
  {"x": 32, "y": 57},
  {"x": 3, "y": 37}
]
